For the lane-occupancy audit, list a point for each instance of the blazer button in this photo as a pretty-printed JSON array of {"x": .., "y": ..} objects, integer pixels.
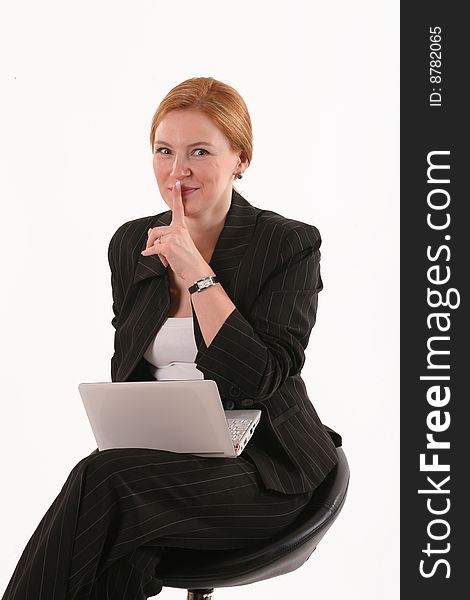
[
  {"x": 229, "y": 404},
  {"x": 234, "y": 391}
]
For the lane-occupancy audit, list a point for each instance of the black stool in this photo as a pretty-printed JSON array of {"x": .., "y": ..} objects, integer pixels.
[{"x": 200, "y": 571}]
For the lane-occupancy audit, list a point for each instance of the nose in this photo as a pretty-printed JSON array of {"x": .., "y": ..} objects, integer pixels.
[{"x": 180, "y": 168}]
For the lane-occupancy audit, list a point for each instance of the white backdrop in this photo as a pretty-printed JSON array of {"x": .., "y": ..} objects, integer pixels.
[{"x": 80, "y": 82}]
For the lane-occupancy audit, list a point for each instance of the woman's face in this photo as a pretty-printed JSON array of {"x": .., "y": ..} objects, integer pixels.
[{"x": 188, "y": 147}]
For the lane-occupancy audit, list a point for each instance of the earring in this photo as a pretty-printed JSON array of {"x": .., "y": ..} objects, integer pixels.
[{"x": 240, "y": 175}]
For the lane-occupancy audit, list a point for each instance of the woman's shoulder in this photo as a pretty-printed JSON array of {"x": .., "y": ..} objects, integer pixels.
[
  {"x": 281, "y": 226},
  {"x": 271, "y": 220}
]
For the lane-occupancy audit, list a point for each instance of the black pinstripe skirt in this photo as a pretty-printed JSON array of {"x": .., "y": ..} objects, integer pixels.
[{"x": 104, "y": 534}]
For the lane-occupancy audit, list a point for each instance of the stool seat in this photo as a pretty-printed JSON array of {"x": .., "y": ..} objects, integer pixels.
[{"x": 209, "y": 569}]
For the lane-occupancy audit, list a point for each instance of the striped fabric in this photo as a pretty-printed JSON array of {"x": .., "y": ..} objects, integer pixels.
[
  {"x": 270, "y": 267},
  {"x": 104, "y": 534}
]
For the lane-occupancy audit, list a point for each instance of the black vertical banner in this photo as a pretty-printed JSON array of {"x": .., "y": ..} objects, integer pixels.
[{"x": 435, "y": 270}]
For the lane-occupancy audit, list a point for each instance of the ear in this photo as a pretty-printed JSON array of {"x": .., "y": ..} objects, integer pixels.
[{"x": 243, "y": 162}]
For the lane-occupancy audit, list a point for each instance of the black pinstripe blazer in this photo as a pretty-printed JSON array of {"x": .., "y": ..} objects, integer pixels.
[{"x": 269, "y": 267}]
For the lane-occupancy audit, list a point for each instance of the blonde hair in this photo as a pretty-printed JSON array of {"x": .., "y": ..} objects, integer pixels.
[{"x": 220, "y": 102}]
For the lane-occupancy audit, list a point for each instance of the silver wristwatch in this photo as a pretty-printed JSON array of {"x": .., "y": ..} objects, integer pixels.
[{"x": 202, "y": 284}]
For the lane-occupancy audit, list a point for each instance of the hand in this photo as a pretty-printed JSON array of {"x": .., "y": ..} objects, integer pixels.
[{"x": 176, "y": 248}]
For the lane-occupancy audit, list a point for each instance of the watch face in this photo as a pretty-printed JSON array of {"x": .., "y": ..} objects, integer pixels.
[{"x": 204, "y": 284}]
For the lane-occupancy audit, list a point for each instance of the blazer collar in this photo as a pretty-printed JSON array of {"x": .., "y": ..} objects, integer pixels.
[{"x": 232, "y": 243}]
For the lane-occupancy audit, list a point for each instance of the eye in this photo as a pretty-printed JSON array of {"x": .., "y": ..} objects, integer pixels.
[
  {"x": 201, "y": 150},
  {"x": 158, "y": 151}
]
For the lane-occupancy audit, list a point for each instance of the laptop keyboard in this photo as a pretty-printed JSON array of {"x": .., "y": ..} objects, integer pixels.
[{"x": 238, "y": 428}]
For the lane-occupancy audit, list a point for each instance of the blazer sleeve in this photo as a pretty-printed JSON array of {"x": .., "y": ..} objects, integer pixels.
[
  {"x": 256, "y": 353},
  {"x": 116, "y": 278}
]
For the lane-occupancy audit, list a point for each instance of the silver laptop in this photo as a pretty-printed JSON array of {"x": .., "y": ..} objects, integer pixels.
[{"x": 177, "y": 415}]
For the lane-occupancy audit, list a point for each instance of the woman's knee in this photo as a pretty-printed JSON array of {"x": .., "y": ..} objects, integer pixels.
[{"x": 107, "y": 462}]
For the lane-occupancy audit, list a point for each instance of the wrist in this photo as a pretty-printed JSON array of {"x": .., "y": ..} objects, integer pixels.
[{"x": 203, "y": 270}]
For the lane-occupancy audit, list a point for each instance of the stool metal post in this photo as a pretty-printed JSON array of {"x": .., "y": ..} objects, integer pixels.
[{"x": 202, "y": 594}]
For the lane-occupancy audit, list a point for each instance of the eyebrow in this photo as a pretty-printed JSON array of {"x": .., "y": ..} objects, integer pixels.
[{"x": 189, "y": 146}]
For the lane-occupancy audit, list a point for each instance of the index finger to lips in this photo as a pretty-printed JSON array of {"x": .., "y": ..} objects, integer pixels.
[{"x": 177, "y": 216}]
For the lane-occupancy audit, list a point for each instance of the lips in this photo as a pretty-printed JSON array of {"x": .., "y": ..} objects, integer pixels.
[{"x": 185, "y": 189}]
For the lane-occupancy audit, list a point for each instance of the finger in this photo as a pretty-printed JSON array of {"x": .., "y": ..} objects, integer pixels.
[
  {"x": 177, "y": 216},
  {"x": 152, "y": 249},
  {"x": 155, "y": 249},
  {"x": 155, "y": 232}
]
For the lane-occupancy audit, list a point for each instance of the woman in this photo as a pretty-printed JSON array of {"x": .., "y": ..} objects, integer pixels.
[{"x": 105, "y": 532}]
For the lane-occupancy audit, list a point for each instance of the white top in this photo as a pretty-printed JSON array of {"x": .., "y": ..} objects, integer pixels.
[{"x": 173, "y": 350}]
